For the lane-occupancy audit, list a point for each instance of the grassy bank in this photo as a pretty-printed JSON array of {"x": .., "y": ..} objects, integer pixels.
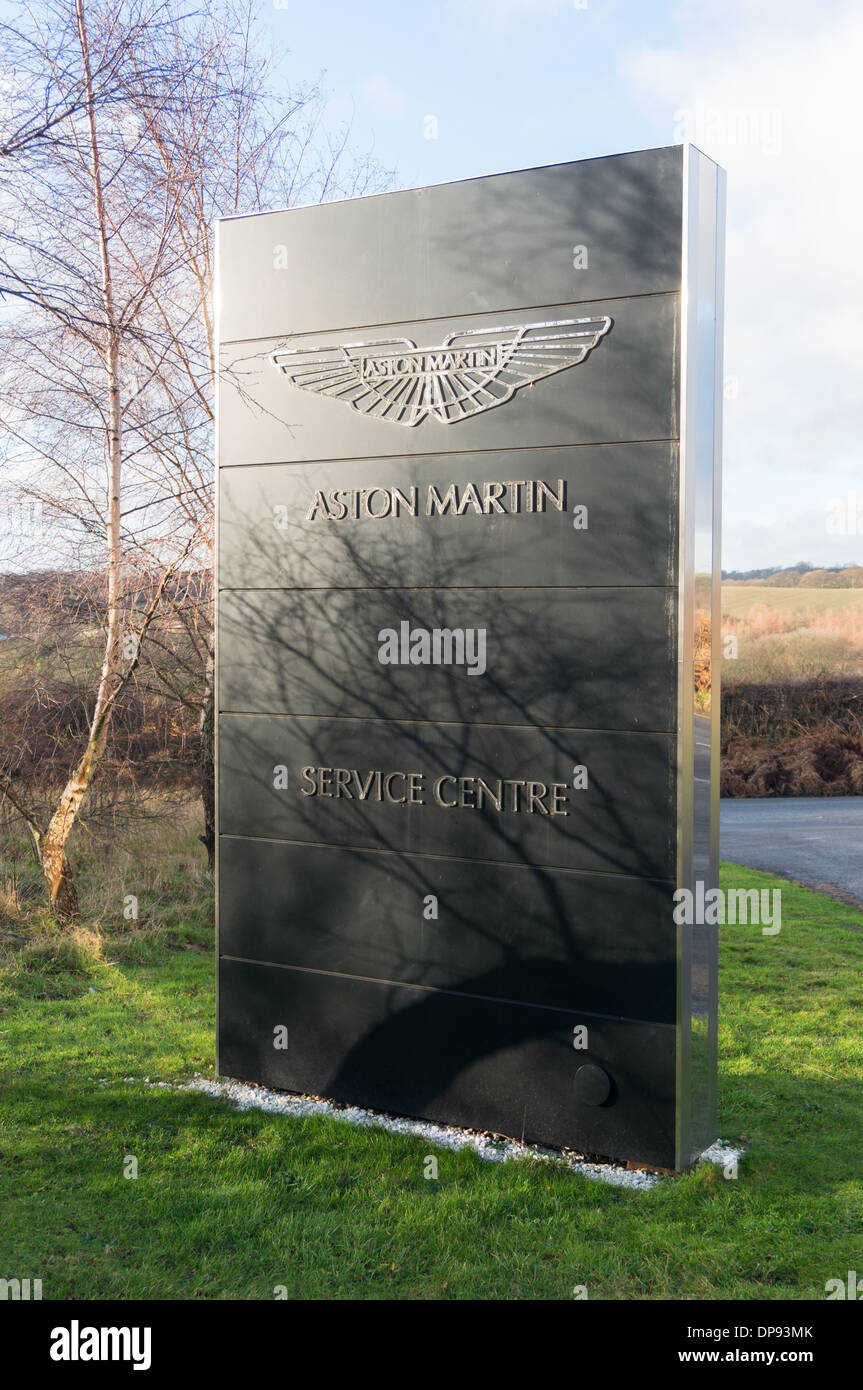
[
  {"x": 230, "y": 1205},
  {"x": 739, "y": 600}
]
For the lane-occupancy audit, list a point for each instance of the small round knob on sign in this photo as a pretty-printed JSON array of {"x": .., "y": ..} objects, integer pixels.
[{"x": 592, "y": 1084}]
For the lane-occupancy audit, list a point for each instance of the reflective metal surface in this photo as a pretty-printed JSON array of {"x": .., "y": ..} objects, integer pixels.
[{"x": 698, "y": 644}]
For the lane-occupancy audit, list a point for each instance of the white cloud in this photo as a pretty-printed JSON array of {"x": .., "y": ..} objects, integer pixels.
[
  {"x": 504, "y": 8},
  {"x": 503, "y": 14},
  {"x": 382, "y": 92},
  {"x": 795, "y": 264}
]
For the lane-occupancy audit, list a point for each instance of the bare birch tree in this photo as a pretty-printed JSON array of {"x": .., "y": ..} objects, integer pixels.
[
  {"x": 133, "y": 125},
  {"x": 67, "y": 390},
  {"x": 224, "y": 147}
]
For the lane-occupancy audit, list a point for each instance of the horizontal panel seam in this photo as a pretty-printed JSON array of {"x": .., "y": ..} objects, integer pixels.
[
  {"x": 440, "y": 723},
  {"x": 450, "y": 588},
  {"x": 459, "y": 453},
  {"x": 454, "y": 858},
  {"x": 472, "y": 314},
  {"x": 451, "y": 993}
]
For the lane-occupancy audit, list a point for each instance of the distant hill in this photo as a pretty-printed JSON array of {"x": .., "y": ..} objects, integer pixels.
[{"x": 800, "y": 576}]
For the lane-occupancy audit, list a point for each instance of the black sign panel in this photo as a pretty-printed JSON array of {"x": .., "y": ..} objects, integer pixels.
[
  {"x": 546, "y": 658},
  {"x": 468, "y": 452},
  {"x": 353, "y": 525},
  {"x": 575, "y": 799}
]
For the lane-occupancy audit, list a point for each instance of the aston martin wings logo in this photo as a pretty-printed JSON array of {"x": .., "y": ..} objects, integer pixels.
[{"x": 470, "y": 372}]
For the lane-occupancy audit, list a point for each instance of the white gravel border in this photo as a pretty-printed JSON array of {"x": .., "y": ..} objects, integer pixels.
[{"x": 247, "y": 1096}]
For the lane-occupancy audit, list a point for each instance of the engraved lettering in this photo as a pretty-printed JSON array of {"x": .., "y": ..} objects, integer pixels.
[
  {"x": 410, "y": 502},
  {"x": 535, "y": 792},
  {"x": 556, "y": 498},
  {"x": 388, "y": 791},
  {"x": 338, "y": 510},
  {"x": 343, "y": 778},
  {"x": 484, "y": 793},
  {"x": 383, "y": 510},
  {"x": 491, "y": 492},
  {"x": 437, "y": 791},
  {"x": 469, "y": 496},
  {"x": 440, "y": 505}
]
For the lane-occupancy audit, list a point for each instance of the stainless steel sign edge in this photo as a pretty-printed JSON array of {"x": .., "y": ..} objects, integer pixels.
[{"x": 471, "y": 371}]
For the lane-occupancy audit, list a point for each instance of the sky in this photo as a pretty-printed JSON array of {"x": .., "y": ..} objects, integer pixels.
[{"x": 772, "y": 91}]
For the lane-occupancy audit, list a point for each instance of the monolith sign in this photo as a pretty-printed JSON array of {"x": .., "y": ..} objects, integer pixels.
[{"x": 468, "y": 560}]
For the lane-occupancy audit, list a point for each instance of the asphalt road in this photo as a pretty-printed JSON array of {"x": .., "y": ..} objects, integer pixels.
[{"x": 817, "y": 840}]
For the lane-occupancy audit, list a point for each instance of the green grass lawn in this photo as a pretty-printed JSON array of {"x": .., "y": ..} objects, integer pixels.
[{"x": 230, "y": 1205}]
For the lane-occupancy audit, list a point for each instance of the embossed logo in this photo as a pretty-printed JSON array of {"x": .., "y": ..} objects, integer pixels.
[{"x": 469, "y": 372}]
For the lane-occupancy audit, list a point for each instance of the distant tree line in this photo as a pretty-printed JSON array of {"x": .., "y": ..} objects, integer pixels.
[{"x": 800, "y": 576}]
